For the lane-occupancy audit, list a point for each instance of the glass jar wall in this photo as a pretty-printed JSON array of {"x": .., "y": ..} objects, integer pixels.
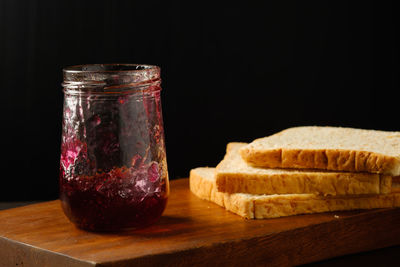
[{"x": 113, "y": 170}]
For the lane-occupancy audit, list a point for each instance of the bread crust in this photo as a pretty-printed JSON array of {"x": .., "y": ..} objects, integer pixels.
[
  {"x": 327, "y": 159},
  {"x": 287, "y": 205},
  {"x": 286, "y": 150},
  {"x": 233, "y": 175},
  {"x": 272, "y": 206}
]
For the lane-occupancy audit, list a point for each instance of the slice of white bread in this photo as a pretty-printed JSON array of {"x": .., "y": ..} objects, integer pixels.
[
  {"x": 327, "y": 148},
  {"x": 202, "y": 184},
  {"x": 234, "y": 175}
]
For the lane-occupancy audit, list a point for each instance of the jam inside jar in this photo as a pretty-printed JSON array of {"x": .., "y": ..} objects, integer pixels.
[{"x": 113, "y": 170}]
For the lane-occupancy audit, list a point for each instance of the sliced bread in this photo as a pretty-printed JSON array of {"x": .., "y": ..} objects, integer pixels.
[
  {"x": 234, "y": 175},
  {"x": 203, "y": 185},
  {"x": 327, "y": 148}
]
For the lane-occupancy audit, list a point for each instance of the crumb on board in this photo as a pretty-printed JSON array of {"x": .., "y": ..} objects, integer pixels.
[{"x": 336, "y": 216}]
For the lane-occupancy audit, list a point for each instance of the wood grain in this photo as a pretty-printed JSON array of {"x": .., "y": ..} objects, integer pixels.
[{"x": 192, "y": 232}]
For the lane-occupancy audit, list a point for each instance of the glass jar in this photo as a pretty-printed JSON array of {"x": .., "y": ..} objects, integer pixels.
[{"x": 113, "y": 169}]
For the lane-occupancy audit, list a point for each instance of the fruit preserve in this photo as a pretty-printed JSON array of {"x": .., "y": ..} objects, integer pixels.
[{"x": 113, "y": 170}]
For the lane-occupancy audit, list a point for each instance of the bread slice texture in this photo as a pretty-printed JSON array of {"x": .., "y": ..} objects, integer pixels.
[
  {"x": 202, "y": 184},
  {"x": 327, "y": 148},
  {"x": 250, "y": 206},
  {"x": 234, "y": 175},
  {"x": 396, "y": 184}
]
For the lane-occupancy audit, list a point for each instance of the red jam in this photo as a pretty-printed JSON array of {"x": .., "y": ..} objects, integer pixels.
[{"x": 121, "y": 198}]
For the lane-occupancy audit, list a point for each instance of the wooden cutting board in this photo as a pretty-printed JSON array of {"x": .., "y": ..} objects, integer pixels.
[{"x": 192, "y": 232}]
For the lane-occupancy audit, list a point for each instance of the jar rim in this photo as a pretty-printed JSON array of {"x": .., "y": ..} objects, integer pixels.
[
  {"x": 110, "y": 68},
  {"x": 110, "y": 77}
]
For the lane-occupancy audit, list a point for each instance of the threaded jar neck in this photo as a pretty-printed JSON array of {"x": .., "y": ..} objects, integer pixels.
[{"x": 111, "y": 78}]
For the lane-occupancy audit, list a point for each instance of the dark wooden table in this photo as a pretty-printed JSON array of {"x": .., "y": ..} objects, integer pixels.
[{"x": 195, "y": 232}]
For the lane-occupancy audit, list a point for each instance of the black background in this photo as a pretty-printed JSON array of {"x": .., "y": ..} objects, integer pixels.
[{"x": 230, "y": 73}]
